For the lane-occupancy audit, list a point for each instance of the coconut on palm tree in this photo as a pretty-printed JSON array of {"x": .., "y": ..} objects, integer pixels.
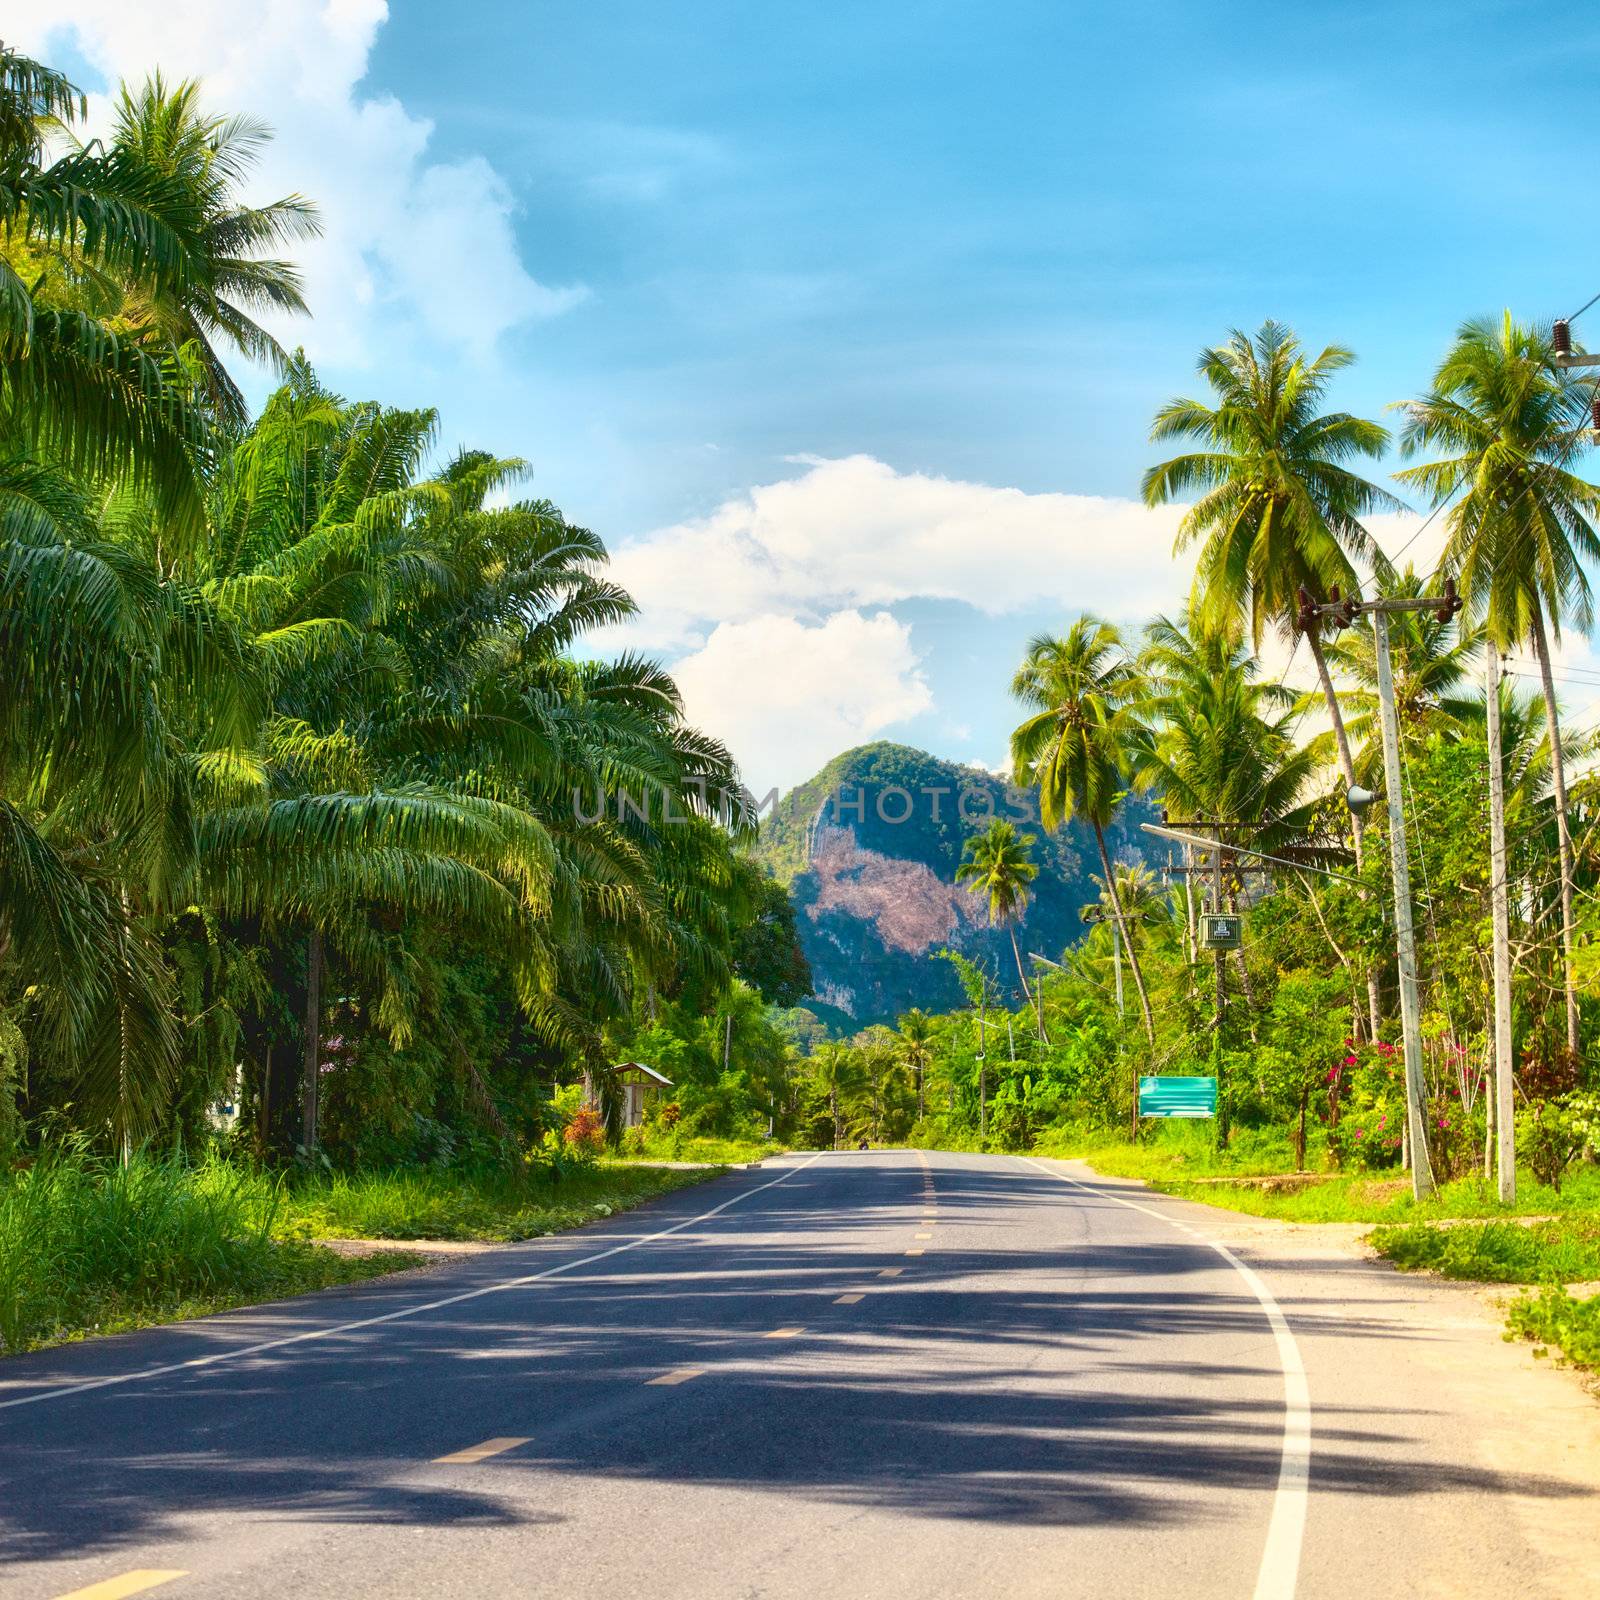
[
  {"x": 1077, "y": 744},
  {"x": 1522, "y": 527},
  {"x": 998, "y": 863}
]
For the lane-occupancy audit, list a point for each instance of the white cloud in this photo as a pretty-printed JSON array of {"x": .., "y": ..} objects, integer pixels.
[
  {"x": 855, "y": 532},
  {"x": 416, "y": 255},
  {"x": 787, "y": 696}
]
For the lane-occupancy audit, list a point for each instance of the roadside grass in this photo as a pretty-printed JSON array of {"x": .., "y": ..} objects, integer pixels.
[
  {"x": 1173, "y": 1156},
  {"x": 1566, "y": 1250},
  {"x": 88, "y": 1246},
  {"x": 494, "y": 1204},
  {"x": 642, "y": 1147}
]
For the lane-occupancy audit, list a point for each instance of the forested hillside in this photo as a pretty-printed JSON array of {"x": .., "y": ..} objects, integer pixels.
[{"x": 869, "y": 849}]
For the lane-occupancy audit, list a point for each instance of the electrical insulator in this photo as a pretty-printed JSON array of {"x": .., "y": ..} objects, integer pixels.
[
  {"x": 1452, "y": 601},
  {"x": 1594, "y": 413},
  {"x": 1308, "y": 609},
  {"x": 1561, "y": 338}
]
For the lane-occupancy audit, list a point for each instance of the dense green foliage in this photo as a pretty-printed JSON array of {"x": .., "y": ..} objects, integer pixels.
[{"x": 319, "y": 827}]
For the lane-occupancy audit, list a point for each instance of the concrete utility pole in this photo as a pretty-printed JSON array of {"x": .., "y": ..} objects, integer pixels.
[
  {"x": 1344, "y": 612},
  {"x": 1504, "y": 1089},
  {"x": 1404, "y": 936},
  {"x": 1220, "y": 958}
]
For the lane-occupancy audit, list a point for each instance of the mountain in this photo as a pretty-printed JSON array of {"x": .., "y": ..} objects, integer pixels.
[{"x": 869, "y": 849}]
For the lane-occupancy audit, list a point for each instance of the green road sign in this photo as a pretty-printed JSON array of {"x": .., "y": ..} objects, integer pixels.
[{"x": 1177, "y": 1097}]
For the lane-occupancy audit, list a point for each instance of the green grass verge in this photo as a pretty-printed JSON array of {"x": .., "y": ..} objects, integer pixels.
[
  {"x": 701, "y": 1147},
  {"x": 88, "y": 1246},
  {"x": 1172, "y": 1157},
  {"x": 420, "y": 1204},
  {"x": 1565, "y": 1250}
]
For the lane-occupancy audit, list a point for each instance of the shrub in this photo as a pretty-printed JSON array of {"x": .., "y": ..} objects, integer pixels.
[
  {"x": 1552, "y": 1134},
  {"x": 585, "y": 1133},
  {"x": 1553, "y": 1317}
]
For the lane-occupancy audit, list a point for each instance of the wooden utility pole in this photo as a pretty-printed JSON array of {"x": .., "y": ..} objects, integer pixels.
[
  {"x": 1504, "y": 1089},
  {"x": 1405, "y": 938}
]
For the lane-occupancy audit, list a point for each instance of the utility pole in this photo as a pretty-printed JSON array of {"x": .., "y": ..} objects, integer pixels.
[
  {"x": 1504, "y": 1089},
  {"x": 983, "y": 1069},
  {"x": 1219, "y": 956},
  {"x": 1344, "y": 612},
  {"x": 1116, "y": 959},
  {"x": 1404, "y": 935}
]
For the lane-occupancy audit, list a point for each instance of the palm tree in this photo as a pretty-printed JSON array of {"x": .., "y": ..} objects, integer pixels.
[
  {"x": 999, "y": 863},
  {"x": 916, "y": 1051},
  {"x": 1217, "y": 744},
  {"x": 1279, "y": 507},
  {"x": 1430, "y": 662},
  {"x": 77, "y": 391},
  {"x": 837, "y": 1074},
  {"x": 164, "y": 131},
  {"x": 1076, "y": 745},
  {"x": 1142, "y": 904},
  {"x": 1522, "y": 527}
]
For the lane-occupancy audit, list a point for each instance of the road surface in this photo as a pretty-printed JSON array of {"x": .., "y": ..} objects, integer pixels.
[{"x": 863, "y": 1374}]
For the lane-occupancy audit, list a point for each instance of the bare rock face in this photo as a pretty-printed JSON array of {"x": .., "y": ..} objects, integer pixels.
[
  {"x": 909, "y": 908},
  {"x": 869, "y": 849}
]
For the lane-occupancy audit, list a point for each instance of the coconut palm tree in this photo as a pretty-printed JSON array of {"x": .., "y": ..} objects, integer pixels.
[
  {"x": 999, "y": 863},
  {"x": 916, "y": 1051},
  {"x": 837, "y": 1073},
  {"x": 1430, "y": 661},
  {"x": 1217, "y": 745},
  {"x": 1522, "y": 528},
  {"x": 1279, "y": 507},
  {"x": 1075, "y": 747}
]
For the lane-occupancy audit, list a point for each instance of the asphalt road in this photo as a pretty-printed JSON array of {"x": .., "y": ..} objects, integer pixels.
[{"x": 850, "y": 1375}]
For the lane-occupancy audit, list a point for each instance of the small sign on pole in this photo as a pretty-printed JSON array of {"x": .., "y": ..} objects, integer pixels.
[{"x": 1177, "y": 1097}]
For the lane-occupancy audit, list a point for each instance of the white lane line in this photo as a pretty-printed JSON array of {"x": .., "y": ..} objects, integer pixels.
[
  {"x": 1280, "y": 1560},
  {"x": 62, "y": 1391}
]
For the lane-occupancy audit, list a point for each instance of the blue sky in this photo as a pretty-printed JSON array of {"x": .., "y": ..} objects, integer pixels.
[{"x": 825, "y": 315}]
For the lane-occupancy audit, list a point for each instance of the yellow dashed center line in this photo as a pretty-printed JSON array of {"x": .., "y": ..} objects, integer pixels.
[
  {"x": 916, "y": 1252},
  {"x": 847, "y": 1299},
  {"x": 891, "y": 1272},
  {"x": 680, "y": 1375},
  {"x": 785, "y": 1333},
  {"x": 924, "y": 1235},
  {"x": 128, "y": 1583},
  {"x": 478, "y": 1452}
]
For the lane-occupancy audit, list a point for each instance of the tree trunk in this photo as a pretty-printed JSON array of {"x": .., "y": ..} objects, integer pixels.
[
  {"x": 1122, "y": 927},
  {"x": 1347, "y": 766},
  {"x": 1499, "y": 898},
  {"x": 833, "y": 1107},
  {"x": 1300, "y": 1134},
  {"x": 1558, "y": 775},
  {"x": 310, "y": 1083},
  {"x": 1035, "y": 998}
]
